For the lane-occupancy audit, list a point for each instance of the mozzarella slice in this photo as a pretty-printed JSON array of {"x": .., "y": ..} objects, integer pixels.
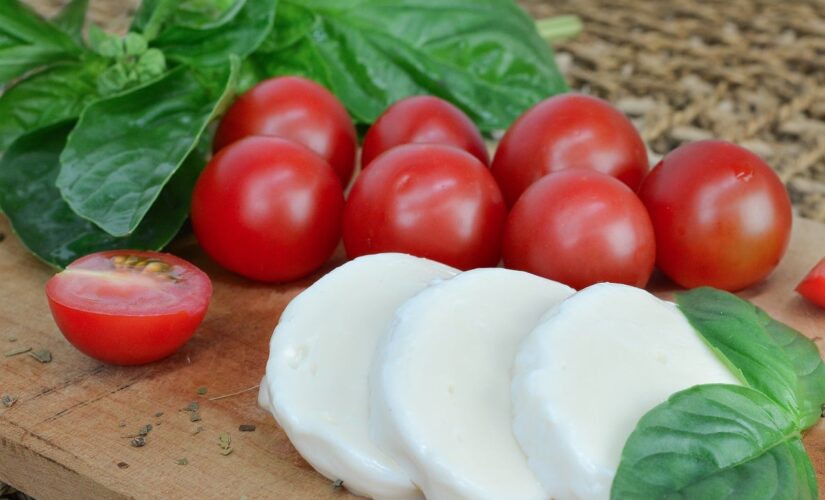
[
  {"x": 589, "y": 371},
  {"x": 441, "y": 384},
  {"x": 320, "y": 353}
]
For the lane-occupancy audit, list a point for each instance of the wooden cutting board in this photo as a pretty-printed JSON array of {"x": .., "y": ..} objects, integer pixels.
[{"x": 65, "y": 436}]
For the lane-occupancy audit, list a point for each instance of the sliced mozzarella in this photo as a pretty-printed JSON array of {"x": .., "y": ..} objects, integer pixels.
[
  {"x": 589, "y": 371},
  {"x": 316, "y": 378},
  {"x": 441, "y": 384}
]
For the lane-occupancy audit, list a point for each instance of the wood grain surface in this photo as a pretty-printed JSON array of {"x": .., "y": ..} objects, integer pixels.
[{"x": 66, "y": 436}]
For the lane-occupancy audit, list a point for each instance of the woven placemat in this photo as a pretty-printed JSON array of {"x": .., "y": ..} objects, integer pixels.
[{"x": 748, "y": 71}]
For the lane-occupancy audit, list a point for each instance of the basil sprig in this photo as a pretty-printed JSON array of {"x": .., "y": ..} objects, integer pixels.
[{"x": 129, "y": 112}]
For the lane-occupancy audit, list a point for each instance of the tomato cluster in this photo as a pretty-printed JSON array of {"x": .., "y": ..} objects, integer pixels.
[{"x": 568, "y": 195}]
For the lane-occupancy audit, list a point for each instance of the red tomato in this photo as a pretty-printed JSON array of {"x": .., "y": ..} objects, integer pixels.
[
  {"x": 423, "y": 119},
  {"x": 813, "y": 286},
  {"x": 580, "y": 227},
  {"x": 432, "y": 201},
  {"x": 299, "y": 110},
  {"x": 722, "y": 217},
  {"x": 129, "y": 307},
  {"x": 568, "y": 131},
  {"x": 268, "y": 209}
]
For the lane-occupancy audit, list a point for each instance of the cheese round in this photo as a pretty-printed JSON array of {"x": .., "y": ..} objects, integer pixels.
[
  {"x": 320, "y": 353},
  {"x": 441, "y": 384},
  {"x": 589, "y": 371}
]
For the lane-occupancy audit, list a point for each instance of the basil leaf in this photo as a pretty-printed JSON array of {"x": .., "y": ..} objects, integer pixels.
[
  {"x": 483, "y": 55},
  {"x": 46, "y": 224},
  {"x": 770, "y": 356},
  {"x": 125, "y": 148},
  {"x": 27, "y": 41},
  {"x": 56, "y": 94},
  {"x": 715, "y": 442},
  {"x": 239, "y": 34},
  {"x": 71, "y": 19}
]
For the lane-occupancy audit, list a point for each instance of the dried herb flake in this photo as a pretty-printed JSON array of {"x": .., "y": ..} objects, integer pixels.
[
  {"x": 138, "y": 442},
  {"x": 194, "y": 417},
  {"x": 158, "y": 414},
  {"x": 18, "y": 351},
  {"x": 8, "y": 400},
  {"x": 122, "y": 465},
  {"x": 225, "y": 441},
  {"x": 182, "y": 461},
  {"x": 202, "y": 391},
  {"x": 247, "y": 428},
  {"x": 42, "y": 355},
  {"x": 338, "y": 483}
]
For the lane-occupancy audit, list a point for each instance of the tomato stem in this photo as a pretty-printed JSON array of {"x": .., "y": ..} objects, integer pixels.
[{"x": 558, "y": 28}]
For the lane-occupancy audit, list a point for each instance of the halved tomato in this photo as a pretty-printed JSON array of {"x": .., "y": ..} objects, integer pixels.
[
  {"x": 129, "y": 307},
  {"x": 813, "y": 286}
]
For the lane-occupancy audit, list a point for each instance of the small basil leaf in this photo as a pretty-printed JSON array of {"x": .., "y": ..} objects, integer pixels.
[
  {"x": 108, "y": 46},
  {"x": 212, "y": 44},
  {"x": 112, "y": 80},
  {"x": 770, "y": 356},
  {"x": 483, "y": 55},
  {"x": 715, "y": 442},
  {"x": 134, "y": 44},
  {"x": 124, "y": 149},
  {"x": 151, "y": 64},
  {"x": 48, "y": 226},
  {"x": 56, "y": 94},
  {"x": 71, "y": 19}
]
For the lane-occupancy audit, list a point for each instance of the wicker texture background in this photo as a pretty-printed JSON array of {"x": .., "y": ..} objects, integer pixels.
[{"x": 748, "y": 71}]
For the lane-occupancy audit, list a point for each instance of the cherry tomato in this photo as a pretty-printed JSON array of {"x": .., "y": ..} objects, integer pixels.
[
  {"x": 129, "y": 307},
  {"x": 268, "y": 209},
  {"x": 813, "y": 286},
  {"x": 580, "y": 227},
  {"x": 722, "y": 217},
  {"x": 568, "y": 131},
  {"x": 428, "y": 200},
  {"x": 299, "y": 110},
  {"x": 423, "y": 119}
]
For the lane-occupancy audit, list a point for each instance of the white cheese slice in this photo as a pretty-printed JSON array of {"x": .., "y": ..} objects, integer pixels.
[
  {"x": 320, "y": 353},
  {"x": 441, "y": 384},
  {"x": 589, "y": 371}
]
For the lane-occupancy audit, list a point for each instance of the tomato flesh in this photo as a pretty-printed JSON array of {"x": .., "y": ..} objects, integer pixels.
[
  {"x": 423, "y": 119},
  {"x": 721, "y": 215},
  {"x": 299, "y": 110},
  {"x": 580, "y": 227},
  {"x": 813, "y": 286},
  {"x": 568, "y": 131},
  {"x": 430, "y": 201},
  {"x": 129, "y": 307}
]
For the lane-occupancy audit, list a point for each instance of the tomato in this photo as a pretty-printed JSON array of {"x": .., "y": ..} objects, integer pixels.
[
  {"x": 129, "y": 307},
  {"x": 722, "y": 217},
  {"x": 299, "y": 110},
  {"x": 580, "y": 227},
  {"x": 428, "y": 200},
  {"x": 813, "y": 286},
  {"x": 423, "y": 119},
  {"x": 568, "y": 131},
  {"x": 268, "y": 209}
]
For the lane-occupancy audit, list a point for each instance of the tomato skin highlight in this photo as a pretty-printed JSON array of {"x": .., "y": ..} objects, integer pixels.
[
  {"x": 580, "y": 227},
  {"x": 147, "y": 321},
  {"x": 568, "y": 131},
  {"x": 430, "y": 201},
  {"x": 812, "y": 287},
  {"x": 268, "y": 209},
  {"x": 721, "y": 215},
  {"x": 423, "y": 119},
  {"x": 296, "y": 109}
]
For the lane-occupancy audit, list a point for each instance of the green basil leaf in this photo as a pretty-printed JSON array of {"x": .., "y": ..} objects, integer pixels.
[
  {"x": 239, "y": 34},
  {"x": 28, "y": 42},
  {"x": 483, "y": 55},
  {"x": 48, "y": 226},
  {"x": 151, "y": 16},
  {"x": 56, "y": 94},
  {"x": 124, "y": 149},
  {"x": 768, "y": 355},
  {"x": 715, "y": 442},
  {"x": 72, "y": 18}
]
